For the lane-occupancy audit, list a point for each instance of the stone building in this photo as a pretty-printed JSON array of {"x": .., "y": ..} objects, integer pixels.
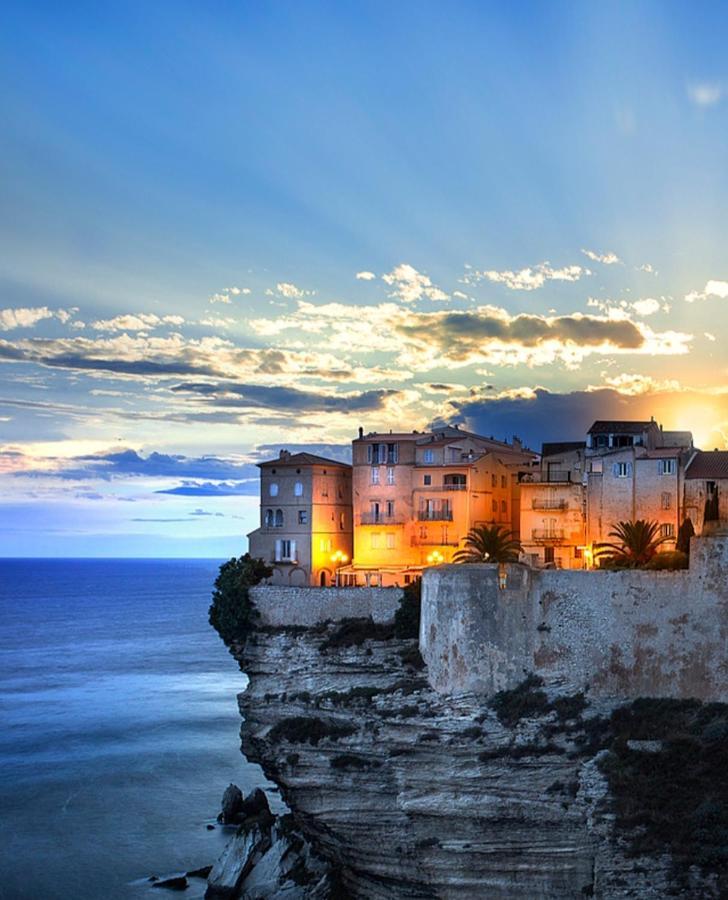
[
  {"x": 706, "y": 480},
  {"x": 416, "y": 495},
  {"x": 305, "y": 529}
]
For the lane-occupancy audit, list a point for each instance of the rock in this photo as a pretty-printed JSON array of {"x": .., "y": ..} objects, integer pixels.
[
  {"x": 202, "y": 872},
  {"x": 255, "y": 803},
  {"x": 174, "y": 883},
  {"x": 232, "y": 801},
  {"x": 210, "y": 827},
  {"x": 237, "y": 859}
]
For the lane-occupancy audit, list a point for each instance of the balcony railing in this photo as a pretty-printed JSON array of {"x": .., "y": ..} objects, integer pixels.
[
  {"x": 540, "y": 503},
  {"x": 547, "y": 534},
  {"x": 435, "y": 515},
  {"x": 554, "y": 476},
  {"x": 370, "y": 518},
  {"x": 433, "y": 542},
  {"x": 427, "y": 488}
]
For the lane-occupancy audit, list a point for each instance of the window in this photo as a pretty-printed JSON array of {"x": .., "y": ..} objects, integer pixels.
[
  {"x": 621, "y": 470},
  {"x": 407, "y": 579},
  {"x": 325, "y": 489},
  {"x": 494, "y": 481},
  {"x": 504, "y": 482},
  {"x": 666, "y": 500},
  {"x": 285, "y": 551},
  {"x": 428, "y": 456},
  {"x": 602, "y": 440},
  {"x": 325, "y": 545},
  {"x": 374, "y": 538},
  {"x": 427, "y": 480},
  {"x": 375, "y": 476},
  {"x": 279, "y": 518},
  {"x": 390, "y": 476},
  {"x": 298, "y": 489},
  {"x": 578, "y": 552},
  {"x": 390, "y": 540},
  {"x": 390, "y": 508},
  {"x": 302, "y": 517},
  {"x": 392, "y": 453},
  {"x": 495, "y": 506},
  {"x": 667, "y": 467},
  {"x": 273, "y": 489},
  {"x": 548, "y": 555},
  {"x": 342, "y": 521},
  {"x": 504, "y": 506},
  {"x": 667, "y": 530},
  {"x": 268, "y": 520},
  {"x": 423, "y": 532}
]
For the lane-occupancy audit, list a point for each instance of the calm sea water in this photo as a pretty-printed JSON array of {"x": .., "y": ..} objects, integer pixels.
[{"x": 120, "y": 727}]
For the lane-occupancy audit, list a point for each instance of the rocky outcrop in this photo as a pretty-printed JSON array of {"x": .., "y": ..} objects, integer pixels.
[{"x": 412, "y": 793}]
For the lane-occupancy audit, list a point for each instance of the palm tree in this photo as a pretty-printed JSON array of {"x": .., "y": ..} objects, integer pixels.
[
  {"x": 488, "y": 544},
  {"x": 636, "y": 543}
]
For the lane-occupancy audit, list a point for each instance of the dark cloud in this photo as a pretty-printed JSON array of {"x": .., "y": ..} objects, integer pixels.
[
  {"x": 212, "y": 489},
  {"x": 339, "y": 452},
  {"x": 252, "y": 396}
]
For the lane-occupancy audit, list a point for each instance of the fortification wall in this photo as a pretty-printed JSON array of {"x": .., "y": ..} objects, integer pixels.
[
  {"x": 280, "y": 606},
  {"x": 625, "y": 634}
]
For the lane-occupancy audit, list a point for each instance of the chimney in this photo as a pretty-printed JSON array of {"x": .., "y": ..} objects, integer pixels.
[
  {"x": 517, "y": 443},
  {"x": 283, "y": 454},
  {"x": 361, "y": 432}
]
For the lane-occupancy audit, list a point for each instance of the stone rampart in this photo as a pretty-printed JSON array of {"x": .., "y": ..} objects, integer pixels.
[
  {"x": 280, "y": 606},
  {"x": 624, "y": 634}
]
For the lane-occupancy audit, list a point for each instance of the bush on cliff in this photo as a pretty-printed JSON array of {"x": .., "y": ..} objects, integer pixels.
[
  {"x": 232, "y": 613},
  {"x": 407, "y": 617},
  {"x": 668, "y": 561}
]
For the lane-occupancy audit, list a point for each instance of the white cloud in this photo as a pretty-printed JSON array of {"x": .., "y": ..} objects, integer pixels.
[
  {"x": 528, "y": 279},
  {"x": 28, "y": 317},
  {"x": 225, "y": 295},
  {"x": 136, "y": 322},
  {"x": 460, "y": 295},
  {"x": 365, "y": 276},
  {"x": 710, "y": 337},
  {"x": 633, "y": 385},
  {"x": 647, "y": 267},
  {"x": 712, "y": 289},
  {"x": 646, "y": 307},
  {"x": 705, "y": 93},
  {"x": 410, "y": 285},
  {"x": 609, "y": 259}
]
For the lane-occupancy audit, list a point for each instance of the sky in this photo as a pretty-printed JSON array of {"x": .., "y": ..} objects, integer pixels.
[{"x": 227, "y": 228}]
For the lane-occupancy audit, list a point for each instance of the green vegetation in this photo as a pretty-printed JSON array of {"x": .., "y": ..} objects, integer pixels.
[
  {"x": 308, "y": 729},
  {"x": 684, "y": 533},
  {"x": 353, "y": 633},
  {"x": 669, "y": 561},
  {"x": 488, "y": 544},
  {"x": 407, "y": 617},
  {"x": 525, "y": 701},
  {"x": 232, "y": 613},
  {"x": 635, "y": 544}
]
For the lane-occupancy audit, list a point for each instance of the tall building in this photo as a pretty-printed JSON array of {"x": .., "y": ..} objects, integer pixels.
[
  {"x": 305, "y": 529},
  {"x": 706, "y": 485},
  {"x": 416, "y": 495}
]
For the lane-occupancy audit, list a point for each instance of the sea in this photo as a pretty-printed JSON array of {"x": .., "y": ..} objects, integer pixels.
[{"x": 119, "y": 727}]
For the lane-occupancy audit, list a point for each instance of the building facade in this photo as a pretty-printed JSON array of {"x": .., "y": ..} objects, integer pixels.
[
  {"x": 416, "y": 495},
  {"x": 305, "y": 530},
  {"x": 706, "y": 486}
]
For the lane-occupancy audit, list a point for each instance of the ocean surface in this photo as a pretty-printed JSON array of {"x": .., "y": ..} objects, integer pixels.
[{"x": 120, "y": 727}]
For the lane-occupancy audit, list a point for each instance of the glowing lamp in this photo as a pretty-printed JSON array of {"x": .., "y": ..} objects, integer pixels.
[{"x": 435, "y": 558}]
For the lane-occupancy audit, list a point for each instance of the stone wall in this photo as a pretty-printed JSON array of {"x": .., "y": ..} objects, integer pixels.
[
  {"x": 281, "y": 606},
  {"x": 625, "y": 634}
]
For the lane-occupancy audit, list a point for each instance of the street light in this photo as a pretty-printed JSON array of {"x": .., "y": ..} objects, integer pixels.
[
  {"x": 339, "y": 558},
  {"x": 435, "y": 558}
]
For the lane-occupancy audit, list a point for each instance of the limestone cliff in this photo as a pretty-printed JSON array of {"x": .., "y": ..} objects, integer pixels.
[{"x": 412, "y": 793}]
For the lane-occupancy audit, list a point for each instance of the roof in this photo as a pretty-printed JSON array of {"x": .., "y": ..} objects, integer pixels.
[
  {"x": 554, "y": 447},
  {"x": 384, "y": 436},
  {"x": 304, "y": 459},
  {"x": 626, "y": 426},
  {"x": 708, "y": 464},
  {"x": 677, "y": 438}
]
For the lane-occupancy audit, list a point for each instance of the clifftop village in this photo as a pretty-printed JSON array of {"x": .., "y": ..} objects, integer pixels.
[{"x": 408, "y": 500}]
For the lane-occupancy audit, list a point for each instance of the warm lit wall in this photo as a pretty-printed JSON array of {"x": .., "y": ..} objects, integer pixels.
[{"x": 569, "y": 521}]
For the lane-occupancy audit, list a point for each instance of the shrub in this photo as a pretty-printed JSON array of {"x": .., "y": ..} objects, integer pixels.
[
  {"x": 353, "y": 633},
  {"x": 407, "y": 617},
  {"x": 232, "y": 613},
  {"x": 308, "y": 729},
  {"x": 670, "y": 560},
  {"x": 411, "y": 656},
  {"x": 352, "y": 761},
  {"x": 523, "y": 702}
]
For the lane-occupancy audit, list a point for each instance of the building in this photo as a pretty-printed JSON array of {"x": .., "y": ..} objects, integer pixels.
[
  {"x": 706, "y": 482},
  {"x": 416, "y": 495},
  {"x": 305, "y": 529}
]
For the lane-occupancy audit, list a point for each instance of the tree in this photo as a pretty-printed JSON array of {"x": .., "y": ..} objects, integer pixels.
[
  {"x": 488, "y": 544},
  {"x": 684, "y": 533},
  {"x": 232, "y": 613},
  {"x": 636, "y": 544},
  {"x": 407, "y": 616}
]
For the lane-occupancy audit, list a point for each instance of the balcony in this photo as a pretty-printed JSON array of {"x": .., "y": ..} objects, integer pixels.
[
  {"x": 542, "y": 503},
  {"x": 554, "y": 476},
  {"x": 547, "y": 534},
  {"x": 433, "y": 542},
  {"x": 435, "y": 515},
  {"x": 428, "y": 488},
  {"x": 370, "y": 518}
]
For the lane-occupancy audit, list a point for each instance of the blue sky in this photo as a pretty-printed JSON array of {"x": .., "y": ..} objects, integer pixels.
[{"x": 228, "y": 227}]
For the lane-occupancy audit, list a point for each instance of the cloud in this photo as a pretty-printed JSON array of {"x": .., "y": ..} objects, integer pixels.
[
  {"x": 28, "y": 317},
  {"x": 365, "y": 276},
  {"x": 619, "y": 310},
  {"x": 136, "y": 322},
  {"x": 712, "y": 289},
  {"x": 528, "y": 279},
  {"x": 488, "y": 334},
  {"x": 226, "y": 294},
  {"x": 646, "y": 307},
  {"x": 647, "y": 267},
  {"x": 608, "y": 259},
  {"x": 286, "y": 289},
  {"x": 213, "y": 489},
  {"x": 410, "y": 285},
  {"x": 705, "y": 93}
]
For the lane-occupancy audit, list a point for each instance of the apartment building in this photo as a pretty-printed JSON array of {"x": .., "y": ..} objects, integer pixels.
[
  {"x": 416, "y": 495},
  {"x": 305, "y": 530},
  {"x": 706, "y": 481}
]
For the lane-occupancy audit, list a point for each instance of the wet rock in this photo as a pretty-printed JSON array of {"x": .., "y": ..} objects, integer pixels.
[
  {"x": 232, "y": 801},
  {"x": 255, "y": 803},
  {"x": 174, "y": 883},
  {"x": 202, "y": 872},
  {"x": 236, "y": 861}
]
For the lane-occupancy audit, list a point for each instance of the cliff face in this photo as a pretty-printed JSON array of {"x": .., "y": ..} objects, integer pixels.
[{"x": 412, "y": 793}]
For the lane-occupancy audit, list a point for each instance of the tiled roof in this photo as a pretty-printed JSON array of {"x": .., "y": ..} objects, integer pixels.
[
  {"x": 708, "y": 464},
  {"x": 304, "y": 459},
  {"x": 554, "y": 447},
  {"x": 604, "y": 426}
]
